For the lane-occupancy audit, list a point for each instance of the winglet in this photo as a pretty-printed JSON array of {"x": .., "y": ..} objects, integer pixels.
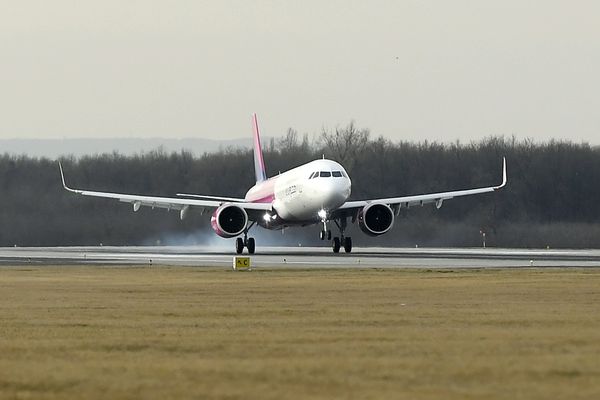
[
  {"x": 504, "y": 177},
  {"x": 62, "y": 177}
]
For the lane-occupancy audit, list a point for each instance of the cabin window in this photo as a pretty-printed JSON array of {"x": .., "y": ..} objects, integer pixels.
[
  {"x": 325, "y": 174},
  {"x": 337, "y": 174}
]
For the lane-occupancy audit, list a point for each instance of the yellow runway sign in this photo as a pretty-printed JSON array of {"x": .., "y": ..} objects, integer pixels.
[{"x": 241, "y": 263}]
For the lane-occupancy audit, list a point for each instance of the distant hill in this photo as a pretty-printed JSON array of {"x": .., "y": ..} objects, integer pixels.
[{"x": 53, "y": 148}]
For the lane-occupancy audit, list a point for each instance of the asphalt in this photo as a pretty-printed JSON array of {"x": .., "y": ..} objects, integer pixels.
[{"x": 302, "y": 257}]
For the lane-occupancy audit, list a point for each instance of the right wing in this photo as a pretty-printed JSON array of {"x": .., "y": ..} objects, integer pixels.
[
  {"x": 350, "y": 208},
  {"x": 170, "y": 203}
]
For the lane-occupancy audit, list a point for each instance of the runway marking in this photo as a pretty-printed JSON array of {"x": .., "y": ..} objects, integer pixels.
[{"x": 306, "y": 256}]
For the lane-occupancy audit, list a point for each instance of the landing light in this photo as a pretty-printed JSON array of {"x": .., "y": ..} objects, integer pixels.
[
  {"x": 268, "y": 217},
  {"x": 322, "y": 214}
]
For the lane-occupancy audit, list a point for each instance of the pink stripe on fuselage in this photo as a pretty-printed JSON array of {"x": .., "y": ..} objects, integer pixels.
[
  {"x": 262, "y": 192},
  {"x": 268, "y": 199}
]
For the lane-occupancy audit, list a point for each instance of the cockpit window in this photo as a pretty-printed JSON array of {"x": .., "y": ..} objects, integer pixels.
[
  {"x": 325, "y": 174},
  {"x": 312, "y": 175},
  {"x": 344, "y": 174},
  {"x": 337, "y": 174}
]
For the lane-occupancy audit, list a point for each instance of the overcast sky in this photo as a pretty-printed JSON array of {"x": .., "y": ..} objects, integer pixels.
[{"x": 441, "y": 70}]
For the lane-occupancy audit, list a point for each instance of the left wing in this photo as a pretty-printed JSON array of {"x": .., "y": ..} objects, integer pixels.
[
  {"x": 180, "y": 204},
  {"x": 349, "y": 207},
  {"x": 220, "y": 198}
]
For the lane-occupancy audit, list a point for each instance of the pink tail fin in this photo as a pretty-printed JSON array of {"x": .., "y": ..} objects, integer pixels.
[{"x": 259, "y": 162}]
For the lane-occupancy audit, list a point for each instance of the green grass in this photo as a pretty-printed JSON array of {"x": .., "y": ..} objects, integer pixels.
[{"x": 161, "y": 332}]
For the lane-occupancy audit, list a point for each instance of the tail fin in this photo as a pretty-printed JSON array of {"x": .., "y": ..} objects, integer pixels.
[{"x": 259, "y": 162}]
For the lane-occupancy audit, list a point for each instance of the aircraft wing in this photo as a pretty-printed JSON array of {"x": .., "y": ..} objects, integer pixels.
[
  {"x": 350, "y": 207},
  {"x": 180, "y": 204},
  {"x": 219, "y": 198}
]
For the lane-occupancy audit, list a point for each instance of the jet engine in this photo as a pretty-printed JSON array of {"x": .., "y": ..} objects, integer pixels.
[
  {"x": 229, "y": 220},
  {"x": 375, "y": 219}
]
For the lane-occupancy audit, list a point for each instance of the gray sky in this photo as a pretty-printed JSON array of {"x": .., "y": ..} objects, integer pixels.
[{"x": 441, "y": 70}]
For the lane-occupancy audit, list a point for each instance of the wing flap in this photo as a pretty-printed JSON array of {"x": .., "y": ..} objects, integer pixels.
[{"x": 220, "y": 198}]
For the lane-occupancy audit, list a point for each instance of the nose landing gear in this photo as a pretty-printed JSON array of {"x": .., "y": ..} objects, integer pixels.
[{"x": 325, "y": 233}]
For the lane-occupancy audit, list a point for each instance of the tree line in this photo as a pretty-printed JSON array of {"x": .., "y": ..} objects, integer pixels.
[{"x": 552, "y": 197}]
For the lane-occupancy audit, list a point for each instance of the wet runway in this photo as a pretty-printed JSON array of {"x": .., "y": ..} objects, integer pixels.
[{"x": 302, "y": 257}]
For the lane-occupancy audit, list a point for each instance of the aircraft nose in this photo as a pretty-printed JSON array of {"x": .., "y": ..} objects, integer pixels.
[
  {"x": 336, "y": 192},
  {"x": 346, "y": 188}
]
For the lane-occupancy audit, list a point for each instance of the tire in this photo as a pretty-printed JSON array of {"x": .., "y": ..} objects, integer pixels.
[
  {"x": 239, "y": 245},
  {"x": 322, "y": 235},
  {"x": 251, "y": 245},
  {"x": 336, "y": 244},
  {"x": 348, "y": 244},
  {"x": 328, "y": 235}
]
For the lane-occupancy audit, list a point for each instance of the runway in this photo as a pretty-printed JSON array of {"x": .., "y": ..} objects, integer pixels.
[{"x": 302, "y": 257}]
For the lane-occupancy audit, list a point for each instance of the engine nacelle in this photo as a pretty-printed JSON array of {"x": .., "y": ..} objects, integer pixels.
[
  {"x": 229, "y": 220},
  {"x": 375, "y": 219}
]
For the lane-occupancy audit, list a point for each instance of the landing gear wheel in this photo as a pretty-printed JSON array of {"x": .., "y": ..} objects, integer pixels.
[
  {"x": 328, "y": 235},
  {"x": 336, "y": 245},
  {"x": 348, "y": 244},
  {"x": 251, "y": 245},
  {"x": 239, "y": 245},
  {"x": 322, "y": 235}
]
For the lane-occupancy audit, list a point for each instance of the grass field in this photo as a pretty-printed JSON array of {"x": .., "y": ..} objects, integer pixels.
[{"x": 161, "y": 332}]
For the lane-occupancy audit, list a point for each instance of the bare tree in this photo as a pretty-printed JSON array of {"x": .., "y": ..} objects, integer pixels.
[{"x": 345, "y": 144}]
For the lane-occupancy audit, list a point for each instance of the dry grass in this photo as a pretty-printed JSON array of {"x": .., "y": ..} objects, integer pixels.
[{"x": 93, "y": 332}]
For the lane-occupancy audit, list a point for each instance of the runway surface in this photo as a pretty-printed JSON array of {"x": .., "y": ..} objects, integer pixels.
[{"x": 302, "y": 257}]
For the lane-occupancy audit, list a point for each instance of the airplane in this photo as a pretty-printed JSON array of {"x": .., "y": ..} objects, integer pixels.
[{"x": 313, "y": 193}]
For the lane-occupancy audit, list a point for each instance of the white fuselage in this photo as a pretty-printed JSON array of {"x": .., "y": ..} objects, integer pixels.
[{"x": 299, "y": 194}]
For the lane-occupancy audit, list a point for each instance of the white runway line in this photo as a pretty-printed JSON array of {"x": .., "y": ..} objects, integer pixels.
[{"x": 293, "y": 257}]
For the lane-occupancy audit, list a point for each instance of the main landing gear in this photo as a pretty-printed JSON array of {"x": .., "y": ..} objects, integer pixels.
[
  {"x": 338, "y": 242},
  {"x": 247, "y": 242}
]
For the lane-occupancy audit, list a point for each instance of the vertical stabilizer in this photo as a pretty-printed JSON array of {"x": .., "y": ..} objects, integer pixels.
[{"x": 259, "y": 162}]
